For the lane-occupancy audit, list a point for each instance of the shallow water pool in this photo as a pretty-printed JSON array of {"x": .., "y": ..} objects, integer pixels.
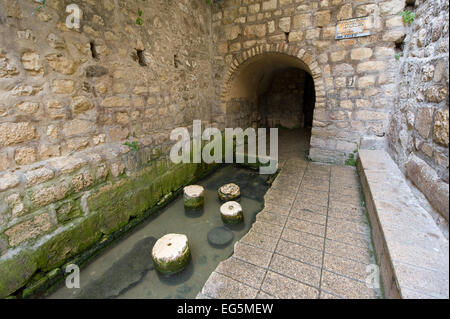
[{"x": 125, "y": 270}]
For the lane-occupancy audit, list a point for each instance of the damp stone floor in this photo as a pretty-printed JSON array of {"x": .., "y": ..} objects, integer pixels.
[{"x": 312, "y": 239}]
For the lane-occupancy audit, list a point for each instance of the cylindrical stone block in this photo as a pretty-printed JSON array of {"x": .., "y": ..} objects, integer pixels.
[
  {"x": 229, "y": 192},
  {"x": 194, "y": 196},
  {"x": 171, "y": 254},
  {"x": 232, "y": 213}
]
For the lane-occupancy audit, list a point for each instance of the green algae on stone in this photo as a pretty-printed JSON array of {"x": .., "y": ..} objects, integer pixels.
[
  {"x": 77, "y": 237},
  {"x": 229, "y": 192},
  {"x": 111, "y": 205},
  {"x": 194, "y": 196},
  {"x": 39, "y": 287},
  {"x": 171, "y": 254},
  {"x": 231, "y": 213},
  {"x": 16, "y": 271}
]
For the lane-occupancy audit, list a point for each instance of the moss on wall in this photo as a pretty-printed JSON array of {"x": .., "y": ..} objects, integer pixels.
[{"x": 113, "y": 209}]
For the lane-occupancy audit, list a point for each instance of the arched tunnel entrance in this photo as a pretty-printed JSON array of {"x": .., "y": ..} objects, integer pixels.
[
  {"x": 288, "y": 102},
  {"x": 274, "y": 90}
]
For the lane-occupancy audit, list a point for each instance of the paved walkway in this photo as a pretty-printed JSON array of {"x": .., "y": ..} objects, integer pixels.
[{"x": 312, "y": 239}]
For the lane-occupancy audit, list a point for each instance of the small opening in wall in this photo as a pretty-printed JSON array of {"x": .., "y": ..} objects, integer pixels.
[
  {"x": 410, "y": 3},
  {"x": 286, "y": 34},
  {"x": 93, "y": 50},
  {"x": 400, "y": 45},
  {"x": 140, "y": 57},
  {"x": 175, "y": 61}
]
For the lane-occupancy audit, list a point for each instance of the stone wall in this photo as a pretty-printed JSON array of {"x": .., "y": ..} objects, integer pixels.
[
  {"x": 354, "y": 78},
  {"x": 62, "y": 91},
  {"x": 419, "y": 129},
  {"x": 69, "y": 99},
  {"x": 242, "y": 113}
]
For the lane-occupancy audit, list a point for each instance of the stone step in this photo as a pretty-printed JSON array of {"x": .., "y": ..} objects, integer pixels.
[{"x": 412, "y": 251}]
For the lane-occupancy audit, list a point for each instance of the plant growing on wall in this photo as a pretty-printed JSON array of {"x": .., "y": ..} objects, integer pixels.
[
  {"x": 43, "y": 4},
  {"x": 133, "y": 145},
  {"x": 139, "y": 20},
  {"x": 408, "y": 16}
]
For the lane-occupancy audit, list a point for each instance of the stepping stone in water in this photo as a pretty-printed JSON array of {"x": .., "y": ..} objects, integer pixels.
[
  {"x": 229, "y": 192},
  {"x": 220, "y": 236},
  {"x": 171, "y": 254},
  {"x": 232, "y": 213},
  {"x": 194, "y": 196}
]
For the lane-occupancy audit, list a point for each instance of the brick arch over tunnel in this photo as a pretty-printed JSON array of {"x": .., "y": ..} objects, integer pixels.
[{"x": 249, "y": 75}]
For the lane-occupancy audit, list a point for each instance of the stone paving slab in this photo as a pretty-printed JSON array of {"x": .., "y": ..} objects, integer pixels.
[{"x": 310, "y": 241}]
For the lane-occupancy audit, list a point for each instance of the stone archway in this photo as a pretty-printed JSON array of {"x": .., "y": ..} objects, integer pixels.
[{"x": 247, "y": 77}]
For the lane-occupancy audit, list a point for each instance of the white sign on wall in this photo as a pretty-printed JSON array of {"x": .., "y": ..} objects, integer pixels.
[{"x": 353, "y": 28}]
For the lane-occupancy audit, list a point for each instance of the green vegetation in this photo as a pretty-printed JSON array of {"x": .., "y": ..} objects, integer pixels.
[
  {"x": 139, "y": 20},
  {"x": 133, "y": 145},
  {"x": 351, "y": 160},
  {"x": 43, "y": 4},
  {"x": 398, "y": 56},
  {"x": 175, "y": 266},
  {"x": 408, "y": 16}
]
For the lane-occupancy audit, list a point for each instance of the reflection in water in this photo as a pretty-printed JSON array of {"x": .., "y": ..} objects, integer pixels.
[{"x": 125, "y": 270}]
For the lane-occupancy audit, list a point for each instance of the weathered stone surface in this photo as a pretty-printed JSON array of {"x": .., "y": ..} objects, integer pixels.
[
  {"x": 441, "y": 127},
  {"x": 7, "y": 69},
  {"x": 8, "y": 181},
  {"x": 361, "y": 53},
  {"x": 25, "y": 155},
  {"x": 116, "y": 102},
  {"x": 31, "y": 62},
  {"x": 232, "y": 213},
  {"x": 322, "y": 18},
  {"x": 257, "y": 30},
  {"x": 16, "y": 271},
  {"x": 96, "y": 71},
  {"x": 29, "y": 229},
  {"x": 81, "y": 104},
  {"x": 404, "y": 233},
  {"x": 302, "y": 21},
  {"x": 63, "y": 86},
  {"x": 269, "y": 5},
  {"x": 422, "y": 91},
  {"x": 61, "y": 63},
  {"x": 39, "y": 175},
  {"x": 424, "y": 119},
  {"x": 194, "y": 196},
  {"x": 436, "y": 94},
  {"x": 49, "y": 194},
  {"x": 426, "y": 179},
  {"x": 229, "y": 192},
  {"x": 14, "y": 133},
  {"x": 171, "y": 253},
  {"x": 4, "y": 161},
  {"x": 232, "y": 32},
  {"x": 28, "y": 107},
  {"x": 82, "y": 181},
  {"x": 77, "y": 127}
]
